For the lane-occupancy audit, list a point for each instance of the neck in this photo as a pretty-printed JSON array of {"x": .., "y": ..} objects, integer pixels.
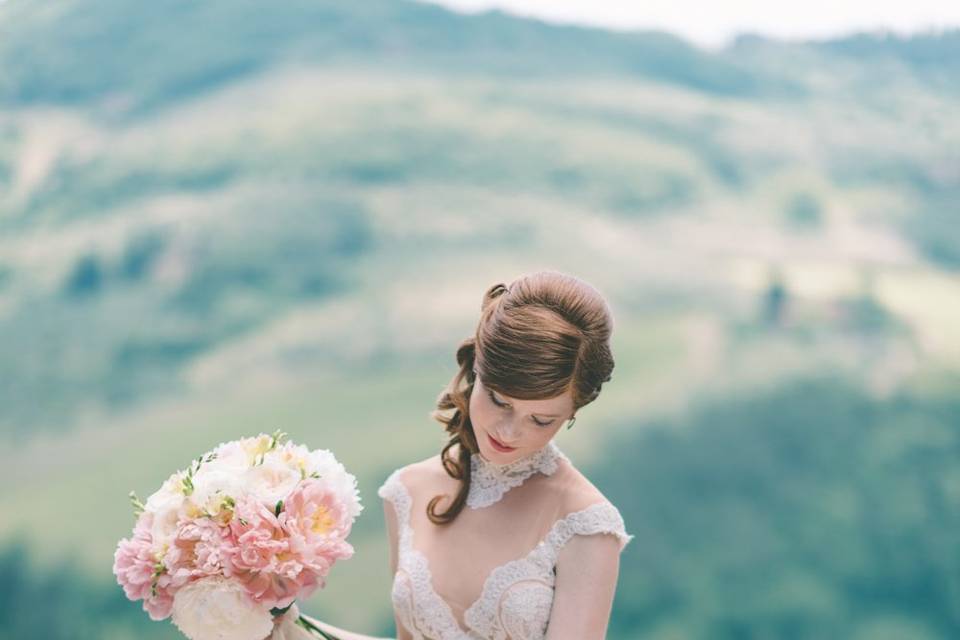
[
  {"x": 524, "y": 460},
  {"x": 489, "y": 480}
]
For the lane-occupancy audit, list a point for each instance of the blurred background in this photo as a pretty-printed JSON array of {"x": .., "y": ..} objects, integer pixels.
[{"x": 225, "y": 217}]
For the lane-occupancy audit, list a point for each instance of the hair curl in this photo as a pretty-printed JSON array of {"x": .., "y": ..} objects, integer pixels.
[{"x": 544, "y": 334}]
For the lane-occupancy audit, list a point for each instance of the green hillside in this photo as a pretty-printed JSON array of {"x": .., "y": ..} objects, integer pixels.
[
  {"x": 158, "y": 54},
  {"x": 776, "y": 517},
  {"x": 222, "y": 218}
]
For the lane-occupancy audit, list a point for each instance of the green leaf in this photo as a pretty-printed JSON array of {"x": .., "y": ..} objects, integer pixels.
[{"x": 138, "y": 506}]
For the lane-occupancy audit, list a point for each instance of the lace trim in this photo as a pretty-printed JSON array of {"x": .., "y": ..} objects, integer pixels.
[
  {"x": 489, "y": 481},
  {"x": 600, "y": 517},
  {"x": 537, "y": 566},
  {"x": 434, "y": 614},
  {"x": 396, "y": 492}
]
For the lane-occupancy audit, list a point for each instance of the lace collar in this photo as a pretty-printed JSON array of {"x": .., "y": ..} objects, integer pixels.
[{"x": 489, "y": 481}]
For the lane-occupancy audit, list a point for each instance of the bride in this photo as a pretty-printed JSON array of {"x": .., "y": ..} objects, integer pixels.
[{"x": 494, "y": 537}]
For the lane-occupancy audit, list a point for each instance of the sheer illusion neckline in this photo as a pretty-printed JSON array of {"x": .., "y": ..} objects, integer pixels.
[
  {"x": 483, "y": 609},
  {"x": 489, "y": 481}
]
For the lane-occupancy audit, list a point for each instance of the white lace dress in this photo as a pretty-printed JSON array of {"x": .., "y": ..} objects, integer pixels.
[{"x": 516, "y": 596}]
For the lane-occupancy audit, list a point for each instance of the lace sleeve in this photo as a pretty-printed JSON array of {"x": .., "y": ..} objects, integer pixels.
[
  {"x": 391, "y": 489},
  {"x": 600, "y": 517},
  {"x": 394, "y": 491}
]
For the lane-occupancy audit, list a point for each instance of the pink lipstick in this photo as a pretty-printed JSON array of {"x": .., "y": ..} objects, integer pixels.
[{"x": 499, "y": 447}]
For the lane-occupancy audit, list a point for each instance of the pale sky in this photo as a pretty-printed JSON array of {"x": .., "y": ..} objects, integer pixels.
[{"x": 712, "y": 24}]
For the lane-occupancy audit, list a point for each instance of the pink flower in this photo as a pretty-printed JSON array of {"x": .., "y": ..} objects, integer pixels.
[
  {"x": 256, "y": 536},
  {"x": 260, "y": 555},
  {"x": 278, "y": 590},
  {"x": 318, "y": 524},
  {"x": 201, "y": 547},
  {"x": 137, "y": 565},
  {"x": 257, "y": 516}
]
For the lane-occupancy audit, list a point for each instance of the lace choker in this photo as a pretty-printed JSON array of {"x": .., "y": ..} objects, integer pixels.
[{"x": 489, "y": 481}]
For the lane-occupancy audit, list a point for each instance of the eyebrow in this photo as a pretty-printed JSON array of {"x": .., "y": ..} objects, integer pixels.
[{"x": 542, "y": 415}]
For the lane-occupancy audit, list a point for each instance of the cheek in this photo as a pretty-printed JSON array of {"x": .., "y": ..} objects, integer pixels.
[
  {"x": 477, "y": 412},
  {"x": 545, "y": 434}
]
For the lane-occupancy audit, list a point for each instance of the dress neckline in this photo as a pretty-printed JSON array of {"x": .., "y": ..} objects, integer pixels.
[
  {"x": 450, "y": 623},
  {"x": 490, "y": 481}
]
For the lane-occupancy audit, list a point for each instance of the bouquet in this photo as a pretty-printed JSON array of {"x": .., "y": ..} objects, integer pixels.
[{"x": 238, "y": 536}]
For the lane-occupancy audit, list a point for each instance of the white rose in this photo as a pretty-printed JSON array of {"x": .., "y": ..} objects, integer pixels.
[
  {"x": 165, "y": 505},
  {"x": 217, "y": 608},
  {"x": 271, "y": 481}
]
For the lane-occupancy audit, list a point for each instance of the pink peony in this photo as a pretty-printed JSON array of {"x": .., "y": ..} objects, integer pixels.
[
  {"x": 279, "y": 590},
  {"x": 201, "y": 547},
  {"x": 135, "y": 563},
  {"x": 260, "y": 555},
  {"x": 318, "y": 524},
  {"x": 256, "y": 536},
  {"x": 257, "y": 516}
]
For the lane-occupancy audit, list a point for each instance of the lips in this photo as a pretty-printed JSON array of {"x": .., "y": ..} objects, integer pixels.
[{"x": 499, "y": 447}]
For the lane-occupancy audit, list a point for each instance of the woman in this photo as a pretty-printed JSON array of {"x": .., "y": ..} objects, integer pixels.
[{"x": 494, "y": 536}]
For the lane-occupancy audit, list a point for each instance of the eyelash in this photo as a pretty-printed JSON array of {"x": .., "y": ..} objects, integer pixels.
[{"x": 502, "y": 406}]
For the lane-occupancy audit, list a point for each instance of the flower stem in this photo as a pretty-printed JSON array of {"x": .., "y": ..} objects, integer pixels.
[{"x": 309, "y": 626}]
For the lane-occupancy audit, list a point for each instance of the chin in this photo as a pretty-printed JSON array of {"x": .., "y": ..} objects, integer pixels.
[{"x": 503, "y": 458}]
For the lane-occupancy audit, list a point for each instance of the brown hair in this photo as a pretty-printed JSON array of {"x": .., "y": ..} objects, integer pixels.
[{"x": 544, "y": 334}]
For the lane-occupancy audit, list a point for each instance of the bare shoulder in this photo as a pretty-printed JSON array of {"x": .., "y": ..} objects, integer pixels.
[
  {"x": 428, "y": 472},
  {"x": 599, "y": 552},
  {"x": 575, "y": 490},
  {"x": 425, "y": 468},
  {"x": 414, "y": 479}
]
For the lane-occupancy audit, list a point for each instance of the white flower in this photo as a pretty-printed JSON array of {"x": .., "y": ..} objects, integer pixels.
[
  {"x": 212, "y": 486},
  {"x": 217, "y": 608},
  {"x": 296, "y": 456},
  {"x": 165, "y": 504},
  {"x": 230, "y": 456},
  {"x": 323, "y": 463},
  {"x": 271, "y": 481},
  {"x": 256, "y": 446}
]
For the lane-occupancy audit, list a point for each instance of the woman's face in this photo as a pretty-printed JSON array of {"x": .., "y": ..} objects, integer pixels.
[{"x": 525, "y": 425}]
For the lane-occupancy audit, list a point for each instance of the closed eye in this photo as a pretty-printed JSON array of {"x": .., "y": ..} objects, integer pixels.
[
  {"x": 503, "y": 406},
  {"x": 494, "y": 400}
]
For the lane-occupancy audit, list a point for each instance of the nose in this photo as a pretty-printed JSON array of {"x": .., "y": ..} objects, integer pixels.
[{"x": 507, "y": 433}]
